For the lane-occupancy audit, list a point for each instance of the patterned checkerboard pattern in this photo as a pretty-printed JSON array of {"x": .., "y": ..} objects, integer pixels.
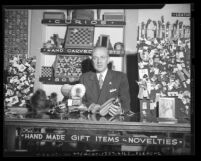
[
  {"x": 69, "y": 67},
  {"x": 47, "y": 72},
  {"x": 79, "y": 36}
]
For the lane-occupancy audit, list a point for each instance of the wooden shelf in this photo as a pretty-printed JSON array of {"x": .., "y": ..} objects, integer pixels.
[
  {"x": 96, "y": 23},
  {"x": 76, "y": 51},
  {"x": 53, "y": 82}
]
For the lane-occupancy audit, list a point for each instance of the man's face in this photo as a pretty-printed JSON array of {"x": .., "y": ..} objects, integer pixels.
[{"x": 100, "y": 59}]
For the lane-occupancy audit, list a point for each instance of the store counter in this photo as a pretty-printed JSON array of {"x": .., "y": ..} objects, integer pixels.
[{"x": 93, "y": 129}]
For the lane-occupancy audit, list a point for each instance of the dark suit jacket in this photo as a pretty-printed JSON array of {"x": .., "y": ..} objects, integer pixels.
[{"x": 115, "y": 85}]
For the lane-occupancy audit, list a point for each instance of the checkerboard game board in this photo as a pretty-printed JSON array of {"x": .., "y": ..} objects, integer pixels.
[
  {"x": 79, "y": 36},
  {"x": 46, "y": 72}
]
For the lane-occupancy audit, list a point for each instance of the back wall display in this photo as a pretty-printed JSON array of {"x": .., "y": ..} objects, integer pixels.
[{"x": 16, "y": 32}]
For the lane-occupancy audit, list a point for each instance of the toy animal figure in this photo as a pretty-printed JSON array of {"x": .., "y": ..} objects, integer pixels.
[{"x": 39, "y": 105}]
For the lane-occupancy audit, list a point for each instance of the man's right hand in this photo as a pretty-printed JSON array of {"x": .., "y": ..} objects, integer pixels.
[{"x": 94, "y": 108}]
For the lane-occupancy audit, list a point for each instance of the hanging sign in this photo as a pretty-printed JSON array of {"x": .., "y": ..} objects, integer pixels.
[
  {"x": 81, "y": 22},
  {"x": 107, "y": 139},
  {"x": 67, "y": 50}
]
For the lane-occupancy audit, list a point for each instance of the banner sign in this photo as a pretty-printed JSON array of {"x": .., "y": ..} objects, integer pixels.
[
  {"x": 106, "y": 139},
  {"x": 82, "y": 22},
  {"x": 67, "y": 50}
]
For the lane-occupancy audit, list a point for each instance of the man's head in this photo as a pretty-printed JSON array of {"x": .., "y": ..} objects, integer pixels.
[{"x": 100, "y": 58}]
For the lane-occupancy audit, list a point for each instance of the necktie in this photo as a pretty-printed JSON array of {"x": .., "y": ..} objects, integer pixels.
[{"x": 100, "y": 80}]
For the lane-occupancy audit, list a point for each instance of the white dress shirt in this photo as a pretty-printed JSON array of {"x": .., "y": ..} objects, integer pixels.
[{"x": 103, "y": 74}]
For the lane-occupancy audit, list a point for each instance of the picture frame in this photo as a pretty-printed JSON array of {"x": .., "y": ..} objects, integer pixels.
[{"x": 166, "y": 108}]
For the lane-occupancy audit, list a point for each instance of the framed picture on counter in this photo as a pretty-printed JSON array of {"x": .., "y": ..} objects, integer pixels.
[{"x": 167, "y": 107}]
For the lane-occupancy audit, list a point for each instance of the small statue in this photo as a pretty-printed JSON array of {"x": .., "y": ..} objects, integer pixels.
[{"x": 58, "y": 42}]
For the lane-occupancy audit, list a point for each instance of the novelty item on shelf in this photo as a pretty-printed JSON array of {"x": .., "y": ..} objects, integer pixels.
[
  {"x": 58, "y": 42},
  {"x": 104, "y": 41},
  {"x": 54, "y": 42},
  {"x": 119, "y": 48},
  {"x": 167, "y": 29},
  {"x": 105, "y": 108},
  {"x": 73, "y": 96},
  {"x": 68, "y": 68},
  {"x": 166, "y": 112},
  {"x": 47, "y": 72},
  {"x": 83, "y": 14},
  {"x": 113, "y": 16},
  {"x": 143, "y": 91},
  {"x": 98, "y": 11},
  {"x": 54, "y": 15},
  {"x": 69, "y": 14},
  {"x": 79, "y": 36},
  {"x": 37, "y": 106},
  {"x": 146, "y": 27}
]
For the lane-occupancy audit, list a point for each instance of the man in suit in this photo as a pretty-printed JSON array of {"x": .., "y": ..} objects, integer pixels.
[{"x": 105, "y": 84}]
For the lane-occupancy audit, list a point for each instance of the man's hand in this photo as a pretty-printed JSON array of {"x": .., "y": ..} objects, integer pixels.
[
  {"x": 94, "y": 108},
  {"x": 115, "y": 110}
]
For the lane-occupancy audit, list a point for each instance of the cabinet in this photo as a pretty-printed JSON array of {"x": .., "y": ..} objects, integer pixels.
[{"x": 48, "y": 56}]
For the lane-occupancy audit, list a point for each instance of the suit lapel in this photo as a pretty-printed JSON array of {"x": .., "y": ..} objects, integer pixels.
[{"x": 104, "y": 91}]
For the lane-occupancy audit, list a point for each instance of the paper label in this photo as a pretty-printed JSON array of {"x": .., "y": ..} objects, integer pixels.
[
  {"x": 152, "y": 105},
  {"x": 144, "y": 105},
  {"x": 157, "y": 97},
  {"x": 70, "y": 102}
]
